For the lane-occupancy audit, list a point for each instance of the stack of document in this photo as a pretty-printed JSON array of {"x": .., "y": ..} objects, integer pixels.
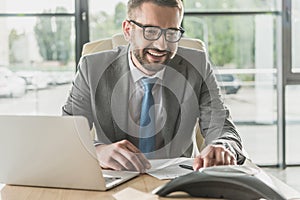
[{"x": 169, "y": 168}]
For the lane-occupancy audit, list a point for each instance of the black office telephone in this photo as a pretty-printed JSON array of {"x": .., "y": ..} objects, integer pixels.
[{"x": 229, "y": 182}]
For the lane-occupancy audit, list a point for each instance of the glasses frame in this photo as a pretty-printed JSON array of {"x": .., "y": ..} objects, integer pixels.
[{"x": 162, "y": 30}]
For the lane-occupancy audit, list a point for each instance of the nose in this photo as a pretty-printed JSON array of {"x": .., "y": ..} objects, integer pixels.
[{"x": 161, "y": 42}]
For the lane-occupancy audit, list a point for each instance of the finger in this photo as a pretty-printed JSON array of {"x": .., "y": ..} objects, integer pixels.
[
  {"x": 134, "y": 160},
  {"x": 219, "y": 156},
  {"x": 130, "y": 146},
  {"x": 208, "y": 162},
  {"x": 209, "y": 158},
  {"x": 231, "y": 158},
  {"x": 233, "y": 161},
  {"x": 146, "y": 164},
  {"x": 144, "y": 160},
  {"x": 134, "y": 156},
  {"x": 198, "y": 163},
  {"x": 121, "y": 158},
  {"x": 113, "y": 164},
  {"x": 227, "y": 158},
  {"x": 106, "y": 161}
]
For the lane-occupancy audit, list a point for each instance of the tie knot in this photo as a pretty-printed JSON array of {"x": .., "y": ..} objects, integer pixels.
[{"x": 148, "y": 83}]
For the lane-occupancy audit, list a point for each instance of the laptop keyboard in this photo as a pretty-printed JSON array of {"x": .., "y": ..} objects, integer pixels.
[{"x": 111, "y": 179}]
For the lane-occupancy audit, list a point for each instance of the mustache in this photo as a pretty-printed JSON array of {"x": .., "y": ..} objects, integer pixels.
[{"x": 157, "y": 50}]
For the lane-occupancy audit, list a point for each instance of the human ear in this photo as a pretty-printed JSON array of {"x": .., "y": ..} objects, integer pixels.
[{"x": 126, "y": 29}]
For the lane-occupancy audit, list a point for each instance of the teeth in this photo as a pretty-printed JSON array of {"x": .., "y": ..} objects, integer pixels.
[{"x": 156, "y": 54}]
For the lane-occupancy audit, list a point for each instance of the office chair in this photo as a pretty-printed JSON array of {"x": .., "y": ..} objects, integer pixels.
[{"x": 118, "y": 39}]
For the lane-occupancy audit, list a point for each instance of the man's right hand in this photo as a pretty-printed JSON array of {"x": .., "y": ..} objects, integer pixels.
[{"x": 122, "y": 155}]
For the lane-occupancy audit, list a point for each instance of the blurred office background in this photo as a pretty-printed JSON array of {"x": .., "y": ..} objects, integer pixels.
[{"x": 252, "y": 44}]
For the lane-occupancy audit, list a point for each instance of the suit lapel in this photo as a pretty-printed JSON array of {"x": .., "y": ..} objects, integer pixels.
[
  {"x": 174, "y": 82},
  {"x": 118, "y": 85}
]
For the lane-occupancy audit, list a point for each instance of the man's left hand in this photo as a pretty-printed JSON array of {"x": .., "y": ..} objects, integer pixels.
[{"x": 213, "y": 155}]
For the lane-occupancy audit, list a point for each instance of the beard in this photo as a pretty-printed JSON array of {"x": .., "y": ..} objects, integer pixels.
[{"x": 152, "y": 59}]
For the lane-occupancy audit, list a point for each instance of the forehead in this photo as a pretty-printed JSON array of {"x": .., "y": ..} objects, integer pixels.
[{"x": 163, "y": 16}]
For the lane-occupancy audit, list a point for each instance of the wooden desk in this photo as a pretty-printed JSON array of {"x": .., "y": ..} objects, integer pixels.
[{"x": 143, "y": 183}]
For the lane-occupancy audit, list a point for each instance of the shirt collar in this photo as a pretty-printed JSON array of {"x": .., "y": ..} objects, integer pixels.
[{"x": 137, "y": 74}]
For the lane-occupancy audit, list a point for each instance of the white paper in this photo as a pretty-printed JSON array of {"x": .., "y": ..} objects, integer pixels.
[
  {"x": 133, "y": 194},
  {"x": 169, "y": 168},
  {"x": 1, "y": 186}
]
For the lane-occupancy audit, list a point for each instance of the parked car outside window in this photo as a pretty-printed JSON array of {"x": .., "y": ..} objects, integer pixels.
[
  {"x": 229, "y": 83},
  {"x": 11, "y": 85}
]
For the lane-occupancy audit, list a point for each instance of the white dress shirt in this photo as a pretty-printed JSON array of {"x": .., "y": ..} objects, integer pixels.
[{"x": 136, "y": 93}]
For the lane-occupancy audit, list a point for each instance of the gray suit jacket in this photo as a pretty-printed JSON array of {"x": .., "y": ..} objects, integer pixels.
[{"x": 100, "y": 92}]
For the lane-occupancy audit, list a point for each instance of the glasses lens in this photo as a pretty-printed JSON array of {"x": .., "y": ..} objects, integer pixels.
[
  {"x": 173, "y": 35},
  {"x": 152, "y": 33}
]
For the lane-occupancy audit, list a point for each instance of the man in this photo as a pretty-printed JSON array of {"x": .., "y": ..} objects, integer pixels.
[{"x": 144, "y": 99}]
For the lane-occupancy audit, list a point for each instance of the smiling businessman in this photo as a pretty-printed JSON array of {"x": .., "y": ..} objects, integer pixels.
[{"x": 145, "y": 98}]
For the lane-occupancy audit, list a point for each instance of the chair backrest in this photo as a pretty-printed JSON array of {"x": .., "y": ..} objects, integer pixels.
[{"x": 118, "y": 39}]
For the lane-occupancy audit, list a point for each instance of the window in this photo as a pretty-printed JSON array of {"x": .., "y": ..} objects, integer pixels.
[
  {"x": 292, "y": 124},
  {"x": 106, "y": 19},
  {"x": 292, "y": 119},
  {"x": 37, "y": 62},
  {"x": 295, "y": 36},
  {"x": 31, "y": 6},
  {"x": 241, "y": 39},
  {"x": 230, "y": 5}
]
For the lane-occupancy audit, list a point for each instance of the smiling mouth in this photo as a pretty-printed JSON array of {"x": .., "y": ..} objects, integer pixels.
[{"x": 156, "y": 54}]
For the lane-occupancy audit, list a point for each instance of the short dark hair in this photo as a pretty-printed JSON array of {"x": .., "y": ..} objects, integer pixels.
[{"x": 133, "y": 4}]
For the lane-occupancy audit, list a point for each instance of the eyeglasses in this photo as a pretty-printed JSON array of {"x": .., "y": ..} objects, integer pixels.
[{"x": 152, "y": 33}]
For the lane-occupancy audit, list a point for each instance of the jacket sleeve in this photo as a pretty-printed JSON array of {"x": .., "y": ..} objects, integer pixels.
[
  {"x": 215, "y": 121},
  {"x": 79, "y": 99}
]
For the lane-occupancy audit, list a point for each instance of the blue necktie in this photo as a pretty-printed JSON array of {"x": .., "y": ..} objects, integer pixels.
[{"x": 147, "y": 120}]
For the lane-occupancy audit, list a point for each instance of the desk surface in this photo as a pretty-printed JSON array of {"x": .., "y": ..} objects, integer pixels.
[{"x": 145, "y": 183}]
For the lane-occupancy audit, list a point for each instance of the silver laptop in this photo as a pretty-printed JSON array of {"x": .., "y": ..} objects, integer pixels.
[{"x": 52, "y": 151}]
